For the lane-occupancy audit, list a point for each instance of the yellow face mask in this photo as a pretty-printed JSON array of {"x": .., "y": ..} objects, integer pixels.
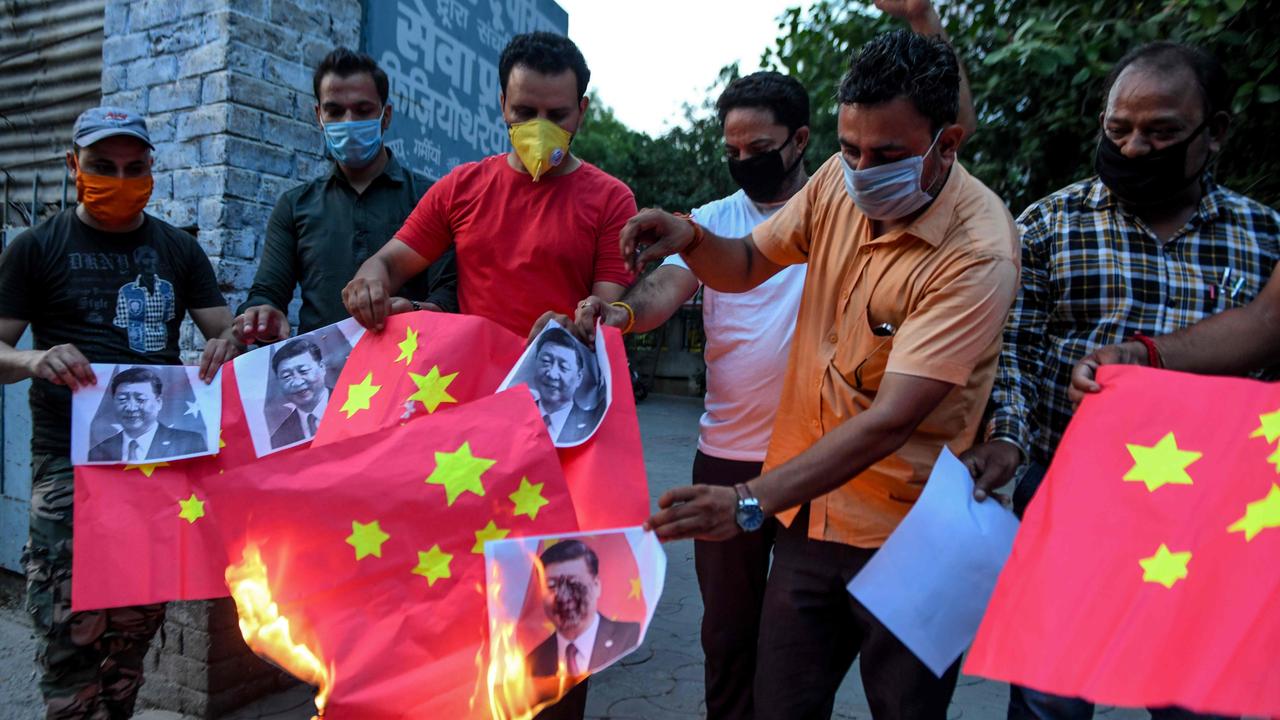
[{"x": 540, "y": 144}]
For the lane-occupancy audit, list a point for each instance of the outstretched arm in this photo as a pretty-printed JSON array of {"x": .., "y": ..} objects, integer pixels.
[
  {"x": 923, "y": 19},
  {"x": 1235, "y": 342},
  {"x": 725, "y": 264}
]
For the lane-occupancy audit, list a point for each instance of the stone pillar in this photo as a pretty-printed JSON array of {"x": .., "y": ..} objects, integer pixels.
[{"x": 226, "y": 88}]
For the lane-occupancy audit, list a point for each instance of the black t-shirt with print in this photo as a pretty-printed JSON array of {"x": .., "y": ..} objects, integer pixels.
[{"x": 118, "y": 297}]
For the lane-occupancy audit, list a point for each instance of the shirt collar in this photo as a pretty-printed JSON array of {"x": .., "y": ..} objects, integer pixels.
[
  {"x": 932, "y": 225},
  {"x": 558, "y": 418},
  {"x": 394, "y": 172},
  {"x": 144, "y": 442},
  {"x": 584, "y": 644},
  {"x": 1099, "y": 197},
  {"x": 318, "y": 410}
]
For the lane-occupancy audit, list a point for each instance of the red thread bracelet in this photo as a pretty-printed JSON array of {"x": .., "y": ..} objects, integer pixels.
[{"x": 1153, "y": 352}]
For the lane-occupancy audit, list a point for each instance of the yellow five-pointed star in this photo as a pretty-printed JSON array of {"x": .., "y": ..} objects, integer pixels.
[
  {"x": 192, "y": 508},
  {"x": 1259, "y": 515},
  {"x": 1161, "y": 464},
  {"x": 1274, "y": 459},
  {"x": 459, "y": 472},
  {"x": 358, "y": 396},
  {"x": 433, "y": 564},
  {"x": 1269, "y": 427},
  {"x": 487, "y": 533},
  {"x": 1165, "y": 567},
  {"x": 528, "y": 499},
  {"x": 147, "y": 468},
  {"x": 433, "y": 388},
  {"x": 636, "y": 592},
  {"x": 408, "y": 346},
  {"x": 367, "y": 539},
  {"x": 221, "y": 443}
]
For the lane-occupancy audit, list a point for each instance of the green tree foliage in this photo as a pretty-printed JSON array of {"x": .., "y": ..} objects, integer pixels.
[
  {"x": 678, "y": 171},
  {"x": 1038, "y": 69}
]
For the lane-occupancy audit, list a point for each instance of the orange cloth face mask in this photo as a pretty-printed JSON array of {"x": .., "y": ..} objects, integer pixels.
[{"x": 113, "y": 202}]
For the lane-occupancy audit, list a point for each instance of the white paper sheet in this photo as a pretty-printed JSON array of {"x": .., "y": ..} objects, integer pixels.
[
  {"x": 931, "y": 581},
  {"x": 526, "y": 617},
  {"x": 277, "y": 396},
  {"x": 183, "y": 420},
  {"x": 590, "y": 389}
]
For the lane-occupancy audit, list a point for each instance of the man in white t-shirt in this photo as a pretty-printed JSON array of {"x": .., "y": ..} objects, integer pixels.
[{"x": 765, "y": 117}]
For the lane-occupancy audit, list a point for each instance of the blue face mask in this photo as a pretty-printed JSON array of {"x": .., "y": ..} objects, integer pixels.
[
  {"x": 890, "y": 191},
  {"x": 354, "y": 143}
]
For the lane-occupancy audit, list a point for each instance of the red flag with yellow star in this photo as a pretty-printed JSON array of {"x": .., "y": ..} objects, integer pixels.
[
  {"x": 1147, "y": 569},
  {"x": 420, "y": 364},
  {"x": 146, "y": 533},
  {"x": 382, "y": 580},
  {"x": 606, "y": 474}
]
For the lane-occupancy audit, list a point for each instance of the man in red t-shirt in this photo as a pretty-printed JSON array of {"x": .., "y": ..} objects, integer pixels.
[{"x": 535, "y": 229}]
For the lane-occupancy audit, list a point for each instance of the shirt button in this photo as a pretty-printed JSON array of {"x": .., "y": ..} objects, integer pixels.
[{"x": 831, "y": 338}]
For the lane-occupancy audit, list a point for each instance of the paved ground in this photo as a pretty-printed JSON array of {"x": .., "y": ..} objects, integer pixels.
[{"x": 661, "y": 680}]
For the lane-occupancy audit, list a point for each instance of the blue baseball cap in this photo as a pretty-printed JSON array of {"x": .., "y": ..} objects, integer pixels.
[{"x": 100, "y": 123}]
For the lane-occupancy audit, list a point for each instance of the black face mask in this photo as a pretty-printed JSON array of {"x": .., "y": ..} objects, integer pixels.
[
  {"x": 761, "y": 176},
  {"x": 1149, "y": 179}
]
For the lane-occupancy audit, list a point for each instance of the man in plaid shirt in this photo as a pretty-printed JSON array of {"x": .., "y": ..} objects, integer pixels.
[{"x": 1148, "y": 246}]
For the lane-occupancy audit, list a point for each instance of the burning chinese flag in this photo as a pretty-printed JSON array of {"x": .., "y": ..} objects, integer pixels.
[
  {"x": 372, "y": 549},
  {"x": 1147, "y": 569},
  {"x": 421, "y": 363}
]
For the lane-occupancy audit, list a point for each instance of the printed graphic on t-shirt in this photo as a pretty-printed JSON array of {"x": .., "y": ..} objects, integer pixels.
[{"x": 144, "y": 306}]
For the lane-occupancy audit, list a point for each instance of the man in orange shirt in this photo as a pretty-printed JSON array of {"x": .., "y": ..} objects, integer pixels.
[{"x": 913, "y": 266}]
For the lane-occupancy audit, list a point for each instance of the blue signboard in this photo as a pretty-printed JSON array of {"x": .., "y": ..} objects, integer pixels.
[{"x": 442, "y": 59}]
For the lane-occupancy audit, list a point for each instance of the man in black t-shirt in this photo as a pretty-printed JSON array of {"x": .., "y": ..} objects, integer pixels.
[{"x": 102, "y": 282}]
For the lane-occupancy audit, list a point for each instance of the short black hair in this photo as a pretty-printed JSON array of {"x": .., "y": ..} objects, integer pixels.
[
  {"x": 294, "y": 348},
  {"x": 345, "y": 62},
  {"x": 568, "y": 551},
  {"x": 780, "y": 94},
  {"x": 903, "y": 64},
  {"x": 137, "y": 375},
  {"x": 561, "y": 337},
  {"x": 546, "y": 53},
  {"x": 1164, "y": 56}
]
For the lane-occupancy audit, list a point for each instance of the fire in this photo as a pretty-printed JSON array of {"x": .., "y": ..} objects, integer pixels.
[
  {"x": 267, "y": 631},
  {"x": 513, "y": 693}
]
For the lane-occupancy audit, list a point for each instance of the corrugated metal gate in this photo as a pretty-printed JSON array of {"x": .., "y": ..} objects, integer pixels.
[{"x": 50, "y": 72}]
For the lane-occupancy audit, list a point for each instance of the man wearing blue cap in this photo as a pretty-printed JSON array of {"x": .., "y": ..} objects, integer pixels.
[
  {"x": 321, "y": 231},
  {"x": 101, "y": 282}
]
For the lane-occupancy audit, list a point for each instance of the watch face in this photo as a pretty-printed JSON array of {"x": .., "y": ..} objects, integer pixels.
[{"x": 749, "y": 517}]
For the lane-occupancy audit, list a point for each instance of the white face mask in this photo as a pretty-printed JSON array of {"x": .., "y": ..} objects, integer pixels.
[{"x": 890, "y": 191}]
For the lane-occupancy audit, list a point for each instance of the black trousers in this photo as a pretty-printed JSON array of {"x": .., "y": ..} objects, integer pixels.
[
  {"x": 731, "y": 577},
  {"x": 812, "y": 629}
]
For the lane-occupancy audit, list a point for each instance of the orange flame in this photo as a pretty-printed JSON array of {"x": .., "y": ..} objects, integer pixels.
[
  {"x": 266, "y": 631},
  {"x": 513, "y": 693}
]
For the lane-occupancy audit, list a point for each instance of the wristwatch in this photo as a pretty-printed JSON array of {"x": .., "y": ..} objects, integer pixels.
[
  {"x": 749, "y": 516},
  {"x": 415, "y": 305}
]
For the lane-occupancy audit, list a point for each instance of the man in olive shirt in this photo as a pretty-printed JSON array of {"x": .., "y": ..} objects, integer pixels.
[{"x": 321, "y": 231}]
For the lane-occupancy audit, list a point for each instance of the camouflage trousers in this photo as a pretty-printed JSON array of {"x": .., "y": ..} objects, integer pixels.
[{"x": 91, "y": 661}]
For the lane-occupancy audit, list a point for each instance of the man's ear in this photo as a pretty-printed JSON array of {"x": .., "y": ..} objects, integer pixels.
[
  {"x": 73, "y": 163},
  {"x": 319, "y": 120},
  {"x": 949, "y": 142},
  {"x": 802, "y": 138},
  {"x": 386, "y": 117},
  {"x": 1217, "y": 130},
  {"x": 583, "y": 104}
]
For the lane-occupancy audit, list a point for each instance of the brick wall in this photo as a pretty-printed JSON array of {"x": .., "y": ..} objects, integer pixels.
[{"x": 226, "y": 88}]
